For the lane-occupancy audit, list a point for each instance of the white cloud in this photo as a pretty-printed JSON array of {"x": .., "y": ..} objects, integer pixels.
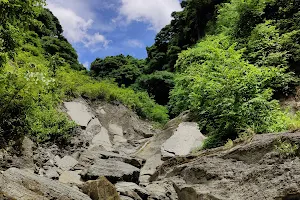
[
  {"x": 156, "y": 12},
  {"x": 77, "y": 22},
  {"x": 86, "y": 65},
  {"x": 134, "y": 43}
]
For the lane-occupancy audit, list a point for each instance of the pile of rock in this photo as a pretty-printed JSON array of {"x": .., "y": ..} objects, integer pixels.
[
  {"x": 117, "y": 156},
  {"x": 104, "y": 161}
]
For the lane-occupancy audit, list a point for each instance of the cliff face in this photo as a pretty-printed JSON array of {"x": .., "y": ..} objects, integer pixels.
[{"x": 116, "y": 155}]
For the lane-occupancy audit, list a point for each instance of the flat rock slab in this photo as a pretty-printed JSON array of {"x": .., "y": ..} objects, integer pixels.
[
  {"x": 117, "y": 132},
  {"x": 102, "y": 139},
  {"x": 23, "y": 185},
  {"x": 150, "y": 168},
  {"x": 66, "y": 163},
  {"x": 186, "y": 137},
  {"x": 79, "y": 112},
  {"x": 113, "y": 170},
  {"x": 71, "y": 177}
]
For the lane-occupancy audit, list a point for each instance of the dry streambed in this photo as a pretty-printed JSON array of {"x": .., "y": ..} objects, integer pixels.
[{"x": 115, "y": 155}]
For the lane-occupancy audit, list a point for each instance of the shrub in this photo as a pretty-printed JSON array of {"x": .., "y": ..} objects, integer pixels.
[
  {"x": 48, "y": 124},
  {"x": 286, "y": 148},
  {"x": 75, "y": 84},
  {"x": 158, "y": 84},
  {"x": 28, "y": 102},
  {"x": 226, "y": 94}
]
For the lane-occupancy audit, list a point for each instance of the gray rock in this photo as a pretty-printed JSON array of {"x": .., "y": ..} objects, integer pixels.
[
  {"x": 79, "y": 112},
  {"x": 66, "y": 163},
  {"x": 52, "y": 174},
  {"x": 27, "y": 153},
  {"x": 153, "y": 146},
  {"x": 23, "y": 185},
  {"x": 113, "y": 170},
  {"x": 90, "y": 156},
  {"x": 163, "y": 190},
  {"x": 186, "y": 137},
  {"x": 71, "y": 177},
  {"x": 250, "y": 170},
  {"x": 117, "y": 133},
  {"x": 150, "y": 168},
  {"x": 102, "y": 139},
  {"x": 132, "y": 190}
]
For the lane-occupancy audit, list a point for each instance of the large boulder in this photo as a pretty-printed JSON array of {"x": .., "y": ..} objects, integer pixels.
[
  {"x": 23, "y": 185},
  {"x": 153, "y": 147},
  {"x": 100, "y": 189},
  {"x": 113, "y": 170},
  {"x": 132, "y": 126},
  {"x": 88, "y": 157},
  {"x": 151, "y": 151},
  {"x": 186, "y": 138},
  {"x": 252, "y": 169}
]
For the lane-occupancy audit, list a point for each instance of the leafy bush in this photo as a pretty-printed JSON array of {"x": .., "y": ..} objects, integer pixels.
[
  {"x": 74, "y": 83},
  {"x": 227, "y": 94},
  {"x": 126, "y": 75},
  {"x": 48, "y": 124},
  {"x": 158, "y": 84},
  {"x": 28, "y": 102},
  {"x": 123, "y": 69},
  {"x": 286, "y": 148}
]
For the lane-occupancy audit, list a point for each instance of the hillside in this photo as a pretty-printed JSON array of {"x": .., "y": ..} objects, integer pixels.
[{"x": 211, "y": 113}]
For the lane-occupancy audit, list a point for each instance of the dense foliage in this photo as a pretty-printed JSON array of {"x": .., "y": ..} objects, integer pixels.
[
  {"x": 186, "y": 28},
  {"x": 39, "y": 69},
  {"x": 226, "y": 94},
  {"x": 225, "y": 60},
  {"x": 124, "y": 69},
  {"x": 157, "y": 84},
  {"x": 229, "y": 78}
]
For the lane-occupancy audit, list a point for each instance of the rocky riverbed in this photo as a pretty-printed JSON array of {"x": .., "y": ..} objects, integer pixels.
[{"x": 115, "y": 155}]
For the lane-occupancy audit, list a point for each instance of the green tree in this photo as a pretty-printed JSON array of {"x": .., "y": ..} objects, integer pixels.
[
  {"x": 124, "y": 69},
  {"x": 186, "y": 28},
  {"x": 225, "y": 93},
  {"x": 158, "y": 85}
]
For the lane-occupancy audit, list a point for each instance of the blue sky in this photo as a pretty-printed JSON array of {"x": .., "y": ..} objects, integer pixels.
[{"x": 99, "y": 28}]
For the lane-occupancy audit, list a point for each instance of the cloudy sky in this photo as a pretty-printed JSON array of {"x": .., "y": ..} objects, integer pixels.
[{"x": 99, "y": 28}]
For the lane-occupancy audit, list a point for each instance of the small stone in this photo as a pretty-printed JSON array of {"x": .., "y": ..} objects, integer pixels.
[
  {"x": 52, "y": 174},
  {"x": 66, "y": 163}
]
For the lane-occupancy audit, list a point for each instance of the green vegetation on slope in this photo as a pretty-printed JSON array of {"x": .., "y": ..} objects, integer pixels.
[
  {"x": 186, "y": 28},
  {"x": 228, "y": 80},
  {"x": 226, "y": 61},
  {"x": 247, "y": 56},
  {"x": 39, "y": 69}
]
